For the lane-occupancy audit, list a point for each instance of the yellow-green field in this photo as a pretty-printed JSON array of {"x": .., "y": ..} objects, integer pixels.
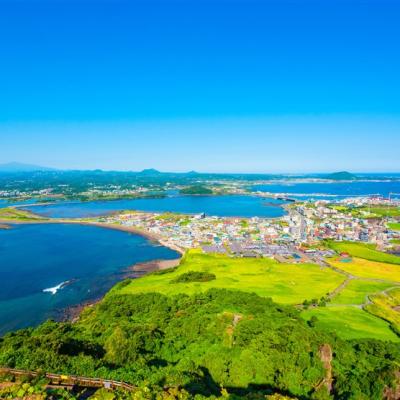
[
  {"x": 351, "y": 323},
  {"x": 288, "y": 284},
  {"x": 366, "y": 251},
  {"x": 369, "y": 269},
  {"x": 14, "y": 214},
  {"x": 387, "y": 306},
  {"x": 357, "y": 290},
  {"x": 395, "y": 226},
  {"x": 284, "y": 283},
  {"x": 376, "y": 211}
]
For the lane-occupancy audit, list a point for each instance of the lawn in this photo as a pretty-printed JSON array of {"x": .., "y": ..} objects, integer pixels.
[
  {"x": 284, "y": 283},
  {"x": 357, "y": 290},
  {"x": 365, "y": 251},
  {"x": 351, "y": 323},
  {"x": 369, "y": 269}
]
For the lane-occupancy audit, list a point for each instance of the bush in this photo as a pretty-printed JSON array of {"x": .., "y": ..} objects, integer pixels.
[{"x": 194, "y": 276}]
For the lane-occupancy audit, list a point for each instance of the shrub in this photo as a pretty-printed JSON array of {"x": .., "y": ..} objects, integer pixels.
[{"x": 194, "y": 276}]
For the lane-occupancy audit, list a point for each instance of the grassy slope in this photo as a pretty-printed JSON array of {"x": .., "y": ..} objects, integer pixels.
[
  {"x": 351, "y": 323},
  {"x": 365, "y": 251},
  {"x": 284, "y": 283},
  {"x": 383, "y": 305},
  {"x": 357, "y": 291}
]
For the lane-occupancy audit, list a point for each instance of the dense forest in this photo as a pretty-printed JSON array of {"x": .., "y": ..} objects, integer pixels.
[{"x": 218, "y": 343}]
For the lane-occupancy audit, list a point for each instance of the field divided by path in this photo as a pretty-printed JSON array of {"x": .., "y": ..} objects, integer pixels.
[
  {"x": 347, "y": 285},
  {"x": 284, "y": 283}
]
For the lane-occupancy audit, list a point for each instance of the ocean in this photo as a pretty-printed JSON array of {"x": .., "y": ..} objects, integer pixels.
[{"x": 45, "y": 268}]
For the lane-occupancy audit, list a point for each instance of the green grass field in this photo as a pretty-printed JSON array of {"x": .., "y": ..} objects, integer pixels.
[
  {"x": 287, "y": 284},
  {"x": 365, "y": 251},
  {"x": 284, "y": 283},
  {"x": 357, "y": 290},
  {"x": 395, "y": 226},
  {"x": 386, "y": 306},
  {"x": 376, "y": 211},
  {"x": 351, "y": 323},
  {"x": 369, "y": 269},
  {"x": 14, "y": 214}
]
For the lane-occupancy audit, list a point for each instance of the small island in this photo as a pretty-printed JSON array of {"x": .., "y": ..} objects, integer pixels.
[{"x": 196, "y": 189}]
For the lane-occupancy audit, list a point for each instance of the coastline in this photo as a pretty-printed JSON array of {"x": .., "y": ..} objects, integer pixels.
[
  {"x": 72, "y": 313},
  {"x": 130, "y": 229}
]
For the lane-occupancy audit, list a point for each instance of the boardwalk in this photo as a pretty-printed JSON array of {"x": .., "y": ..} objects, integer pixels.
[{"x": 68, "y": 381}]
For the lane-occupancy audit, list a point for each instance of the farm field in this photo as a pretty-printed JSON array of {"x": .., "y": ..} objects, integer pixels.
[
  {"x": 357, "y": 290},
  {"x": 369, "y": 269},
  {"x": 386, "y": 306},
  {"x": 394, "y": 226},
  {"x": 366, "y": 251},
  {"x": 377, "y": 211},
  {"x": 284, "y": 283},
  {"x": 351, "y": 323}
]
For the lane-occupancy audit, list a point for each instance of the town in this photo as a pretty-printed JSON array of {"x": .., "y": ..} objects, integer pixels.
[{"x": 295, "y": 237}]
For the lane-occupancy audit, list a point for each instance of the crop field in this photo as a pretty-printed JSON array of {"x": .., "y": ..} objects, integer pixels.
[
  {"x": 369, "y": 269},
  {"x": 387, "y": 306},
  {"x": 365, "y": 251},
  {"x": 395, "y": 226},
  {"x": 287, "y": 284},
  {"x": 357, "y": 290},
  {"x": 284, "y": 283},
  {"x": 377, "y": 211},
  {"x": 351, "y": 323}
]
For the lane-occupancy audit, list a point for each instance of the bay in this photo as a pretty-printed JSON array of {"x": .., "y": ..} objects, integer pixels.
[
  {"x": 89, "y": 260},
  {"x": 224, "y": 206}
]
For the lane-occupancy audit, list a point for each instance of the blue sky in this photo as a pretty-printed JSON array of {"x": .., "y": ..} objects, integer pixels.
[{"x": 223, "y": 85}]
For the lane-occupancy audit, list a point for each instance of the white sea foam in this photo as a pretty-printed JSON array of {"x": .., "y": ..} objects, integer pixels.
[{"x": 55, "y": 289}]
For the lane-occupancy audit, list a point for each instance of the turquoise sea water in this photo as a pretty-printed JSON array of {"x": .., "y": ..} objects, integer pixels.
[
  {"x": 37, "y": 257},
  {"x": 339, "y": 189},
  {"x": 235, "y": 205}
]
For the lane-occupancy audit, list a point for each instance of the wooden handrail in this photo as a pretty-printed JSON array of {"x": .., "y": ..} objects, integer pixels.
[{"x": 64, "y": 380}]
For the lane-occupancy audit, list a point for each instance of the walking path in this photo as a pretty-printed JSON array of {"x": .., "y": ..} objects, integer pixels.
[{"x": 66, "y": 381}]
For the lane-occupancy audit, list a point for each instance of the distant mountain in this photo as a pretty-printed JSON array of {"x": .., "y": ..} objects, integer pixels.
[
  {"x": 20, "y": 167},
  {"x": 341, "y": 176},
  {"x": 150, "y": 172}
]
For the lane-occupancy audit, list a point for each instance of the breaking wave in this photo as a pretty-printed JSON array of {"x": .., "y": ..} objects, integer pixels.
[{"x": 55, "y": 289}]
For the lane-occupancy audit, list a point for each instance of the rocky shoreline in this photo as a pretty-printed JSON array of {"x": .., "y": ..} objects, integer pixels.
[{"x": 72, "y": 313}]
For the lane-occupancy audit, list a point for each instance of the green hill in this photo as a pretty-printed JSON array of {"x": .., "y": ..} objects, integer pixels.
[
  {"x": 196, "y": 189},
  {"x": 342, "y": 176},
  {"x": 200, "y": 343},
  {"x": 210, "y": 328}
]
